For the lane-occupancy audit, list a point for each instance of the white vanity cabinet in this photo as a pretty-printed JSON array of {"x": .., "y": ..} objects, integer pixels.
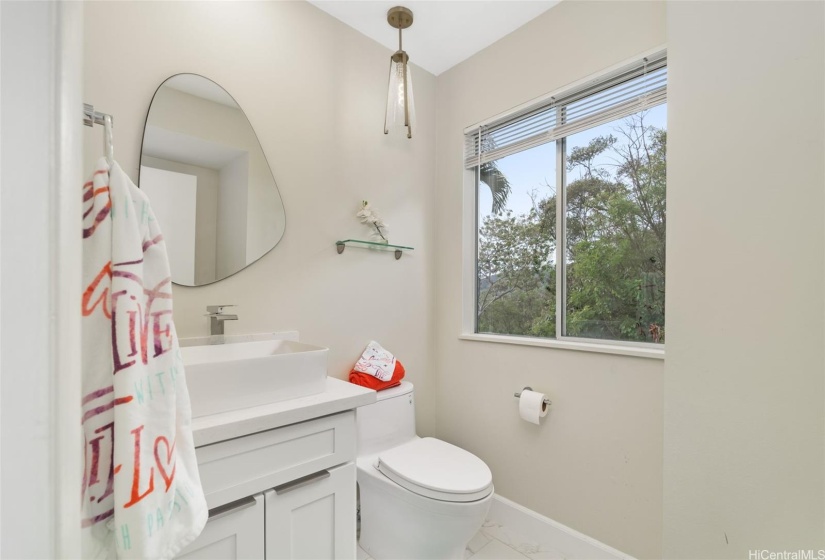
[
  {"x": 315, "y": 518},
  {"x": 234, "y": 531},
  {"x": 287, "y": 492}
]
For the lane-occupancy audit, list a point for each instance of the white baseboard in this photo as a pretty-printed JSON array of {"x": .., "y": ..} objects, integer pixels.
[{"x": 549, "y": 534}]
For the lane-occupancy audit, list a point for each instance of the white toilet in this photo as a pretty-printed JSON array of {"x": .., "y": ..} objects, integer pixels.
[{"x": 421, "y": 498}]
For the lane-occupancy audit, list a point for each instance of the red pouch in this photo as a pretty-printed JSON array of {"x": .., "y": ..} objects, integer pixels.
[{"x": 372, "y": 382}]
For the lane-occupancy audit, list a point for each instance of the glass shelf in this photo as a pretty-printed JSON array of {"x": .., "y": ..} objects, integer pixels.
[{"x": 399, "y": 249}]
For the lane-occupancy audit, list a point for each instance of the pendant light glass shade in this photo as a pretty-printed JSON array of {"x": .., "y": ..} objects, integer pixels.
[
  {"x": 400, "y": 99},
  {"x": 400, "y": 105}
]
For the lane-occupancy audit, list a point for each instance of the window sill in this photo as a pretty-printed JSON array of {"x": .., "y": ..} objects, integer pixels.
[{"x": 599, "y": 347}]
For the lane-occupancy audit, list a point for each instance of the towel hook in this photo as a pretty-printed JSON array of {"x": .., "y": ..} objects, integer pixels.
[{"x": 108, "y": 143}]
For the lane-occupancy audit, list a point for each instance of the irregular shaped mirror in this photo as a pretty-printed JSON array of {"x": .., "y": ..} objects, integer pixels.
[{"x": 208, "y": 180}]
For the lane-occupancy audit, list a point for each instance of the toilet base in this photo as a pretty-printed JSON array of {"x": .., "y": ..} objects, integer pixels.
[{"x": 398, "y": 524}]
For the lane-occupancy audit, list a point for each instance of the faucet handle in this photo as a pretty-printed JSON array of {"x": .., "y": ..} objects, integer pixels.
[{"x": 217, "y": 309}]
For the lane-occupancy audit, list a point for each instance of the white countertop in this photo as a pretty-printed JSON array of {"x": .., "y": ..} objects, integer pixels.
[{"x": 339, "y": 396}]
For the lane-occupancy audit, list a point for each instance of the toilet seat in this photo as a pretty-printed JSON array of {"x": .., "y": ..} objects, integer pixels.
[{"x": 436, "y": 469}]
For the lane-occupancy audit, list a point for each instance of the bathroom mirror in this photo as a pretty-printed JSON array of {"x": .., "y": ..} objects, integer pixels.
[{"x": 208, "y": 181}]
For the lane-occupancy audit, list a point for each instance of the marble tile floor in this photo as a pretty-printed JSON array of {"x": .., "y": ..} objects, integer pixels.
[{"x": 496, "y": 542}]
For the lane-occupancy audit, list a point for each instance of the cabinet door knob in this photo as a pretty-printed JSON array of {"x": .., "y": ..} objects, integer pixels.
[
  {"x": 301, "y": 482},
  {"x": 231, "y": 507}
]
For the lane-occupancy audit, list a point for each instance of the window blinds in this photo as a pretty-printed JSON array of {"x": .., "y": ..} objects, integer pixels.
[{"x": 618, "y": 95}]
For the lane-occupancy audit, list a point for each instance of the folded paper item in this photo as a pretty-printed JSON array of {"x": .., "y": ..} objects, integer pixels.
[
  {"x": 377, "y": 369},
  {"x": 376, "y": 361}
]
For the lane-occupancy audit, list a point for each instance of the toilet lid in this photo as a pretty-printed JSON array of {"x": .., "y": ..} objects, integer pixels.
[{"x": 436, "y": 469}]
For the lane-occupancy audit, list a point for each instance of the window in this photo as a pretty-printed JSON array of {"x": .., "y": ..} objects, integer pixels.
[{"x": 570, "y": 220}]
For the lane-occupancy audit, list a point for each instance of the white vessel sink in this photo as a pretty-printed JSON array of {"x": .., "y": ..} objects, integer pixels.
[{"x": 235, "y": 375}]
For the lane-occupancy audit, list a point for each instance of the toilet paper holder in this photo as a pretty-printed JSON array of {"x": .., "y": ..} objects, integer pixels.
[{"x": 518, "y": 396}]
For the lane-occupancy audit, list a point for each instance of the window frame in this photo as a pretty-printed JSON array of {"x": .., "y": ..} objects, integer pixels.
[{"x": 470, "y": 221}]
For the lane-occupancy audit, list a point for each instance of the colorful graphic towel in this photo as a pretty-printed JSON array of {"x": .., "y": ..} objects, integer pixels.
[
  {"x": 142, "y": 496},
  {"x": 371, "y": 382},
  {"x": 376, "y": 361}
]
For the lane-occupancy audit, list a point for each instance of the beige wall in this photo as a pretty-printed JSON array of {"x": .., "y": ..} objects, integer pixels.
[
  {"x": 233, "y": 216},
  {"x": 744, "y": 426},
  {"x": 595, "y": 464},
  {"x": 314, "y": 91}
]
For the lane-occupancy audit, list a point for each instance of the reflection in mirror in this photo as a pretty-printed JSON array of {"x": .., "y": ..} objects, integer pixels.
[{"x": 208, "y": 180}]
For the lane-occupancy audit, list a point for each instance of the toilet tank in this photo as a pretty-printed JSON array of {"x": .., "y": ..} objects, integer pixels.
[{"x": 388, "y": 422}]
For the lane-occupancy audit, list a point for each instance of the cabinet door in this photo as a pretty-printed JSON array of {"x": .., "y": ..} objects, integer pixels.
[
  {"x": 234, "y": 530},
  {"x": 312, "y": 517}
]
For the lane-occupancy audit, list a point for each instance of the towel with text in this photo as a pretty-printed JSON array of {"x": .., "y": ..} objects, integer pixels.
[{"x": 141, "y": 494}]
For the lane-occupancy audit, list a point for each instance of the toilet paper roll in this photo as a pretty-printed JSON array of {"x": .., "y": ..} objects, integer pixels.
[{"x": 531, "y": 406}]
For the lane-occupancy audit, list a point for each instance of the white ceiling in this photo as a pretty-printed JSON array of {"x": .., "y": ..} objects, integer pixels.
[{"x": 444, "y": 32}]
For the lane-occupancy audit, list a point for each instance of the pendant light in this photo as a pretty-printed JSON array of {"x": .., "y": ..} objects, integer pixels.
[{"x": 400, "y": 105}]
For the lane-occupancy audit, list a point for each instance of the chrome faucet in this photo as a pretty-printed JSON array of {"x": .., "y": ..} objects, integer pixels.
[{"x": 217, "y": 317}]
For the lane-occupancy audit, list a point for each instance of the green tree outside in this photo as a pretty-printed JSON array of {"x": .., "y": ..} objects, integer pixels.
[{"x": 615, "y": 253}]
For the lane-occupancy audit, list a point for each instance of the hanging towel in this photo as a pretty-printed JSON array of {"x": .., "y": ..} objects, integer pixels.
[
  {"x": 376, "y": 368},
  {"x": 142, "y": 496}
]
